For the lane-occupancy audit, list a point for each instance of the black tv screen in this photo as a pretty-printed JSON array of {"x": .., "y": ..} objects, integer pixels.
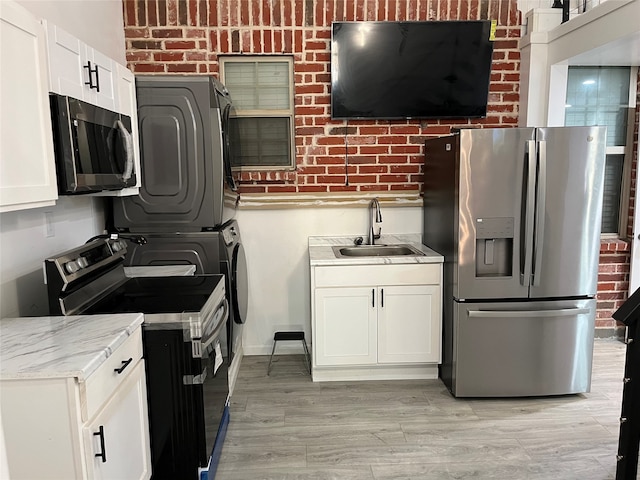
[{"x": 397, "y": 70}]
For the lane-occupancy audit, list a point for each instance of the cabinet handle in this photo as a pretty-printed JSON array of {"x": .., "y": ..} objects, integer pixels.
[
  {"x": 103, "y": 453},
  {"x": 91, "y": 72},
  {"x": 382, "y": 297},
  {"x": 373, "y": 297},
  {"x": 125, "y": 364}
]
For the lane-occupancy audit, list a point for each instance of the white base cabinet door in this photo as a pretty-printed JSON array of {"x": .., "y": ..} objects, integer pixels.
[
  {"x": 27, "y": 165},
  {"x": 408, "y": 331},
  {"x": 346, "y": 330},
  {"x": 117, "y": 439}
]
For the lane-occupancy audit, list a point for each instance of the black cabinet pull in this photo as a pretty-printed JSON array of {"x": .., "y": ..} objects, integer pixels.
[
  {"x": 373, "y": 297},
  {"x": 103, "y": 453},
  {"x": 125, "y": 364},
  {"x": 91, "y": 72},
  {"x": 382, "y": 297}
]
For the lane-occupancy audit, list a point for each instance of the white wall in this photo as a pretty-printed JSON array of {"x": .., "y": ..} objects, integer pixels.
[
  {"x": 24, "y": 243},
  {"x": 276, "y": 248},
  {"x": 98, "y": 23}
]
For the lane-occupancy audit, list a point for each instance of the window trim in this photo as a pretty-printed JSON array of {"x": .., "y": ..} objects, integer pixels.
[{"x": 260, "y": 113}]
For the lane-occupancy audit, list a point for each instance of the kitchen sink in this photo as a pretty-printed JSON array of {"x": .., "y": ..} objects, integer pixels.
[{"x": 377, "y": 251}]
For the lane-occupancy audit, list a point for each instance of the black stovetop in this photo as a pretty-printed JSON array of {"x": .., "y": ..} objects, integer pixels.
[{"x": 159, "y": 295}]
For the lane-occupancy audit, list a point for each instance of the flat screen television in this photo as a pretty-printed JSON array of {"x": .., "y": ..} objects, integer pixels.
[{"x": 399, "y": 70}]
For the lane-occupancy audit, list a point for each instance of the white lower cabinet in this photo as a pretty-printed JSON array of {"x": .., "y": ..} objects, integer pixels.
[
  {"x": 389, "y": 329},
  {"x": 63, "y": 428},
  {"x": 116, "y": 438}
]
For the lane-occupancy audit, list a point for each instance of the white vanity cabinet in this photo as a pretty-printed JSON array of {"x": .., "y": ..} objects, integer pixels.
[
  {"x": 75, "y": 428},
  {"x": 376, "y": 321},
  {"x": 79, "y": 71},
  {"x": 27, "y": 165}
]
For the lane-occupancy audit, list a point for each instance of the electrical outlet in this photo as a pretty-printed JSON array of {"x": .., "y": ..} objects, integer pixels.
[{"x": 49, "y": 228}]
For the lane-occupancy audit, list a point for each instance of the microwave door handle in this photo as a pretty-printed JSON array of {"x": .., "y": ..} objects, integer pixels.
[
  {"x": 541, "y": 195},
  {"x": 127, "y": 140}
]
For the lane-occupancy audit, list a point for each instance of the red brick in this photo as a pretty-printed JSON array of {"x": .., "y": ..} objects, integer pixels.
[
  {"x": 180, "y": 45},
  {"x": 167, "y": 33},
  {"x": 168, "y": 56}
]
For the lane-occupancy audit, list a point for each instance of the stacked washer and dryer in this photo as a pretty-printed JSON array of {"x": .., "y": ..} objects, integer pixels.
[
  {"x": 188, "y": 198},
  {"x": 186, "y": 206},
  {"x": 185, "y": 210}
]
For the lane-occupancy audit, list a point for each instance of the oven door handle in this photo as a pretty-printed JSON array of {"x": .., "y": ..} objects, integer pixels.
[{"x": 221, "y": 313}]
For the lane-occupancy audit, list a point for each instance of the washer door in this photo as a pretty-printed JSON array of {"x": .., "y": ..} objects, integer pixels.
[{"x": 239, "y": 284}]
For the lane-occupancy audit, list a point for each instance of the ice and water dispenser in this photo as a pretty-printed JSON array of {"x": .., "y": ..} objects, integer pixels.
[{"x": 494, "y": 247}]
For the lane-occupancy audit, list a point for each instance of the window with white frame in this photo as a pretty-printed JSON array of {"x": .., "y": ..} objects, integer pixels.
[
  {"x": 600, "y": 96},
  {"x": 261, "y": 88}
]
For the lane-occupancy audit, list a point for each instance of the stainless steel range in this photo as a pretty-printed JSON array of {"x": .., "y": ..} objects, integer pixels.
[{"x": 185, "y": 324}]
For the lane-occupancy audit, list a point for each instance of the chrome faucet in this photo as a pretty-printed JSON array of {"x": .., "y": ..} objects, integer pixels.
[{"x": 375, "y": 216}]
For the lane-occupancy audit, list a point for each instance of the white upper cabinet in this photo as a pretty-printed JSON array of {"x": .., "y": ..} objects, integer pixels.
[
  {"x": 27, "y": 165},
  {"x": 77, "y": 70}
]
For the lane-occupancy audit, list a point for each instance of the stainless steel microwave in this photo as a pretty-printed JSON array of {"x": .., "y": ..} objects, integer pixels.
[{"x": 93, "y": 147}]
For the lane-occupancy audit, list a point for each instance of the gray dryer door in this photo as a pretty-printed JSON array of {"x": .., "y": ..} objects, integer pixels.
[
  {"x": 239, "y": 284},
  {"x": 181, "y": 152}
]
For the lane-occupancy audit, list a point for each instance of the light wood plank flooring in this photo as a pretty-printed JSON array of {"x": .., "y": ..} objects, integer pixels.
[{"x": 284, "y": 426}]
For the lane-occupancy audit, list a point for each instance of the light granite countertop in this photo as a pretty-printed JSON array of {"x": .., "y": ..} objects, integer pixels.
[
  {"x": 61, "y": 347},
  {"x": 321, "y": 252}
]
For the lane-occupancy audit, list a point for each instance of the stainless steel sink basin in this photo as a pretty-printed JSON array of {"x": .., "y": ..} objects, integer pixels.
[{"x": 377, "y": 251}]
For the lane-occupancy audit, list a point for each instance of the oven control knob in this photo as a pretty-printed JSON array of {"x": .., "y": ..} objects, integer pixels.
[
  {"x": 71, "y": 267},
  {"x": 82, "y": 262}
]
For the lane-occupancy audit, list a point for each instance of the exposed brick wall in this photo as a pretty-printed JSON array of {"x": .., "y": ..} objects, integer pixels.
[
  {"x": 178, "y": 36},
  {"x": 613, "y": 280}
]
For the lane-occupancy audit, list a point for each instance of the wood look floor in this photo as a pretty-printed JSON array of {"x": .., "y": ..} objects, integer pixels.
[{"x": 284, "y": 426}]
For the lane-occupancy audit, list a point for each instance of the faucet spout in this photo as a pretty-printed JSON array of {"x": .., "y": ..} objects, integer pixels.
[{"x": 375, "y": 216}]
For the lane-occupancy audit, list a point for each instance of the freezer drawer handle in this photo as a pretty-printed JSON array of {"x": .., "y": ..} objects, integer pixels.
[{"x": 565, "y": 312}]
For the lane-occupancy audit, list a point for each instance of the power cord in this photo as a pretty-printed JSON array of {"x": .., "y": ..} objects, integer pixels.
[{"x": 139, "y": 239}]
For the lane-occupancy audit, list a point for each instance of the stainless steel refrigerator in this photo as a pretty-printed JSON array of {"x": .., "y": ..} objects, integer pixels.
[{"x": 516, "y": 214}]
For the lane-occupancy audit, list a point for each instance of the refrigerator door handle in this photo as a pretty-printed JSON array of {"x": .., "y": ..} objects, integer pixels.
[
  {"x": 541, "y": 195},
  {"x": 563, "y": 312},
  {"x": 528, "y": 214}
]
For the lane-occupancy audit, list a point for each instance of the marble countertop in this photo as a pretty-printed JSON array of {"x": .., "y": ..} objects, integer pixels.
[
  {"x": 321, "y": 252},
  {"x": 61, "y": 347},
  {"x": 160, "y": 271}
]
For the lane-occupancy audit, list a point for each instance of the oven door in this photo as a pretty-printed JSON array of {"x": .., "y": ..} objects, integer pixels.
[
  {"x": 93, "y": 147},
  {"x": 212, "y": 386}
]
